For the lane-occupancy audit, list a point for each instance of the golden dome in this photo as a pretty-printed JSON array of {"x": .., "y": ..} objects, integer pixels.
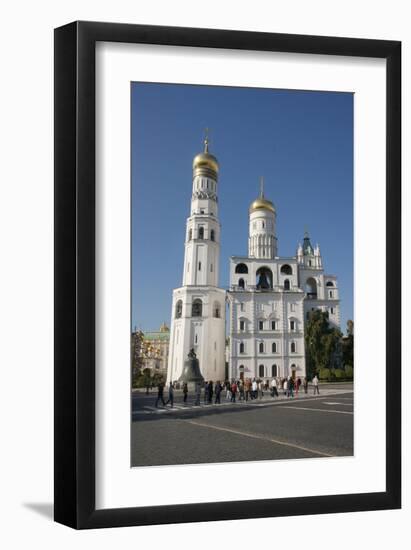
[
  {"x": 205, "y": 164},
  {"x": 164, "y": 328},
  {"x": 262, "y": 204},
  {"x": 205, "y": 160}
]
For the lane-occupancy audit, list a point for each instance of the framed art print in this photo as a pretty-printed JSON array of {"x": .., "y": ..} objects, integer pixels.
[{"x": 227, "y": 275}]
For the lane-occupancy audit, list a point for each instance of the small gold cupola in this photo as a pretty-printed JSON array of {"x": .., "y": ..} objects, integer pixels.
[{"x": 261, "y": 203}]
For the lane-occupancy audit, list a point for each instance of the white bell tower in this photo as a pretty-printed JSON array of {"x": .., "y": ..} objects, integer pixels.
[
  {"x": 198, "y": 310},
  {"x": 202, "y": 246}
]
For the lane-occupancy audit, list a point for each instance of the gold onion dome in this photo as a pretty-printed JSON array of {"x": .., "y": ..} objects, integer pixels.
[
  {"x": 261, "y": 203},
  {"x": 164, "y": 328},
  {"x": 205, "y": 164}
]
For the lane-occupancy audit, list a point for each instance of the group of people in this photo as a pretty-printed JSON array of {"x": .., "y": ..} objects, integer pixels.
[{"x": 241, "y": 390}]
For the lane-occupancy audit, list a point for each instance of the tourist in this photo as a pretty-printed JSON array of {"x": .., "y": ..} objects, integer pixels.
[
  {"x": 228, "y": 388},
  {"x": 291, "y": 386},
  {"x": 210, "y": 392},
  {"x": 241, "y": 390},
  {"x": 260, "y": 389},
  {"x": 205, "y": 392},
  {"x": 274, "y": 391},
  {"x": 160, "y": 393},
  {"x": 285, "y": 387},
  {"x": 218, "y": 389},
  {"x": 315, "y": 384},
  {"x": 198, "y": 393},
  {"x": 185, "y": 392},
  {"x": 305, "y": 384},
  {"x": 247, "y": 389},
  {"x": 254, "y": 388},
  {"x": 233, "y": 391},
  {"x": 170, "y": 395}
]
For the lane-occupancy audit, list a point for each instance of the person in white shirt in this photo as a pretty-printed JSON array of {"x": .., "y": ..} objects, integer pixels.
[
  {"x": 254, "y": 387},
  {"x": 274, "y": 391}
]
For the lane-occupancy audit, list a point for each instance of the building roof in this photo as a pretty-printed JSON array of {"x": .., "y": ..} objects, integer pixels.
[
  {"x": 307, "y": 246},
  {"x": 156, "y": 336}
]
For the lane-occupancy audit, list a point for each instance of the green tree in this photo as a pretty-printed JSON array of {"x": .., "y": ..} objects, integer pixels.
[
  {"x": 321, "y": 341},
  {"x": 348, "y": 345}
]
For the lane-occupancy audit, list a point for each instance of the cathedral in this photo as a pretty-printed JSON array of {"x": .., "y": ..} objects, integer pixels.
[{"x": 269, "y": 297}]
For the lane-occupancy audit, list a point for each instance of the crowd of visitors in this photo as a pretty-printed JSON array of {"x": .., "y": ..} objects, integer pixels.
[{"x": 238, "y": 390}]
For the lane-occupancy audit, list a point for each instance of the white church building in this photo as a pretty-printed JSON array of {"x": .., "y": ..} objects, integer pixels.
[{"x": 269, "y": 297}]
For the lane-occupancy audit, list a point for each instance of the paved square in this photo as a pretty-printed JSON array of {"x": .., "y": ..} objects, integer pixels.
[{"x": 264, "y": 429}]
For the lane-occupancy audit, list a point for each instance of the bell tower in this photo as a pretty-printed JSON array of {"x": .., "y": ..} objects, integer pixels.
[
  {"x": 198, "y": 310},
  {"x": 202, "y": 245}
]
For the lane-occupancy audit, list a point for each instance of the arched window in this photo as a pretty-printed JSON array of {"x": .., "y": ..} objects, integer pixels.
[
  {"x": 292, "y": 324},
  {"x": 274, "y": 371},
  {"x": 179, "y": 309},
  {"x": 197, "y": 308},
  {"x": 217, "y": 310},
  {"x": 274, "y": 347},
  {"x": 242, "y": 347},
  {"x": 286, "y": 269},
  {"x": 264, "y": 278},
  {"x": 212, "y": 235},
  {"x": 261, "y": 371},
  {"x": 241, "y": 369},
  {"x": 241, "y": 268},
  {"x": 292, "y": 347},
  {"x": 261, "y": 347},
  {"x": 311, "y": 288},
  {"x": 241, "y": 283},
  {"x": 329, "y": 283},
  {"x": 331, "y": 293},
  {"x": 190, "y": 234},
  {"x": 201, "y": 233},
  {"x": 286, "y": 284}
]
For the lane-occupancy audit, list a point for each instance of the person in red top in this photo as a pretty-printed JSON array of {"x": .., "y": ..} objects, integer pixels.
[{"x": 233, "y": 392}]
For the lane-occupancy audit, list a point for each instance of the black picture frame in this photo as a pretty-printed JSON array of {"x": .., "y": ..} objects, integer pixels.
[{"x": 74, "y": 388}]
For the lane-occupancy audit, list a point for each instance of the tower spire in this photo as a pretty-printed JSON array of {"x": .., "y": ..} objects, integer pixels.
[
  {"x": 206, "y": 140},
  {"x": 261, "y": 187}
]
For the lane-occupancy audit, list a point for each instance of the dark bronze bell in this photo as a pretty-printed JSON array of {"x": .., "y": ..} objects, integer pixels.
[
  {"x": 263, "y": 282},
  {"x": 191, "y": 371}
]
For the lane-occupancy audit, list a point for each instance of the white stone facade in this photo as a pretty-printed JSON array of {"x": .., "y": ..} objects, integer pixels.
[{"x": 270, "y": 299}]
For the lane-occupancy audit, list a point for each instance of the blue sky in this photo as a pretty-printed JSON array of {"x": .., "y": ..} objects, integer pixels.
[{"x": 300, "y": 141}]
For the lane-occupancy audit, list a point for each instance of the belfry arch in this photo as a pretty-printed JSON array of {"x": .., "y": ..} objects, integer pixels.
[{"x": 264, "y": 277}]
